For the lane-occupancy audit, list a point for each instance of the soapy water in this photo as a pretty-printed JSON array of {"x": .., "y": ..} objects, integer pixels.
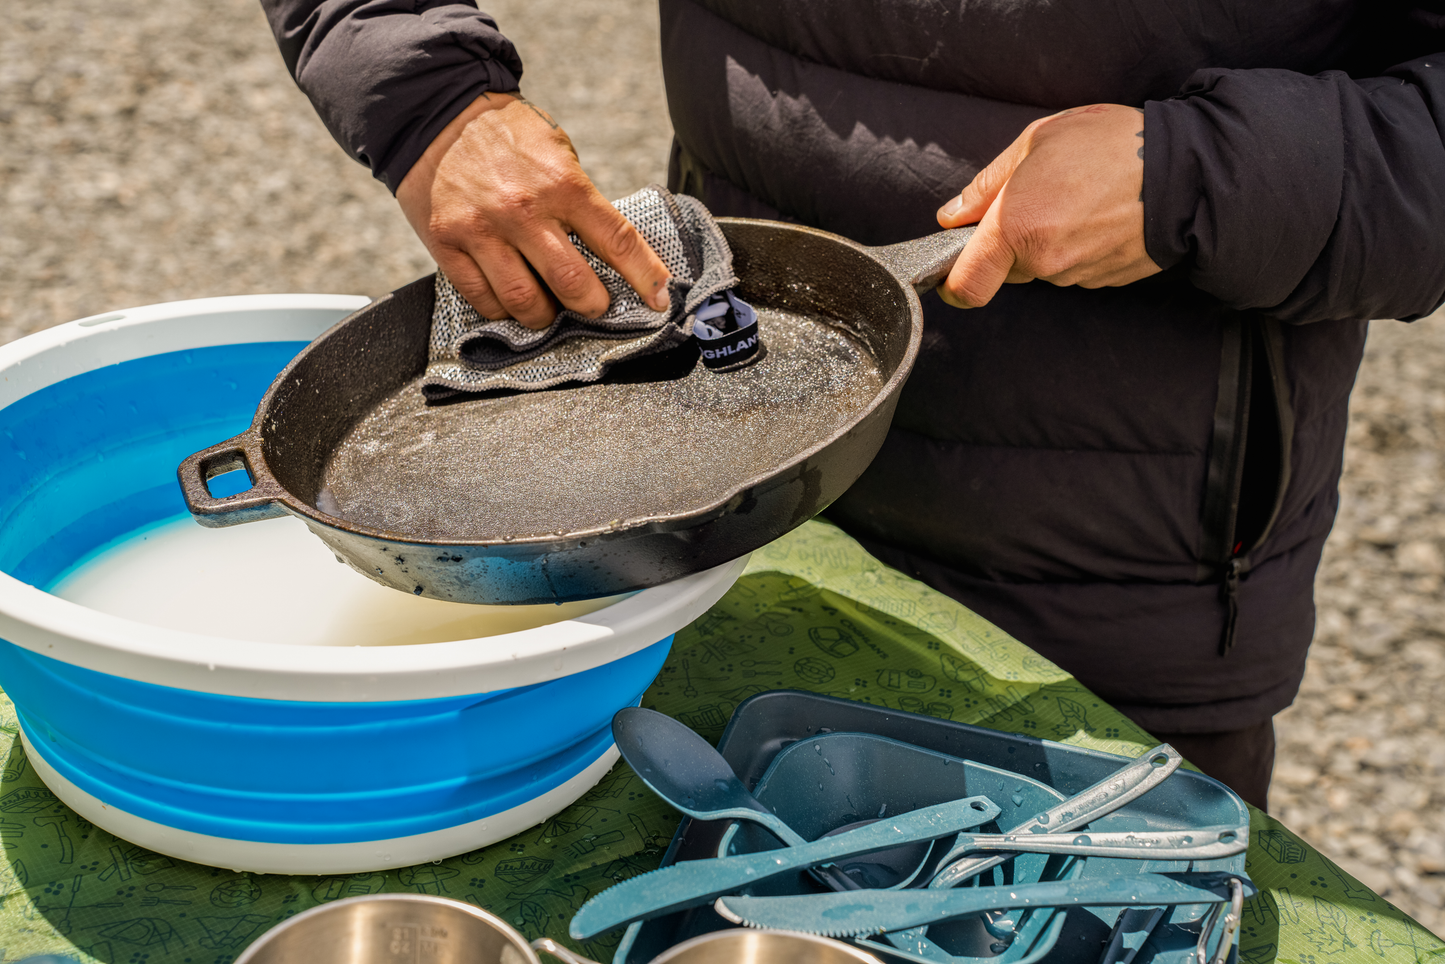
[{"x": 273, "y": 581}]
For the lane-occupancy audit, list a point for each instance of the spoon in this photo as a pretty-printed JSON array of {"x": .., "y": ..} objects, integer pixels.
[{"x": 687, "y": 772}]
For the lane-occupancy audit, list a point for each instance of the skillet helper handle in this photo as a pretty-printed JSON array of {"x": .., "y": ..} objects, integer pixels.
[
  {"x": 243, "y": 452},
  {"x": 926, "y": 261}
]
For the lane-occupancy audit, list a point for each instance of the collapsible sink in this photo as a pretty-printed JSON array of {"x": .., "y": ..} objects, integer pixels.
[{"x": 263, "y": 756}]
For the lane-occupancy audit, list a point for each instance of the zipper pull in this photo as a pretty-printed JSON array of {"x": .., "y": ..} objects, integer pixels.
[{"x": 1230, "y": 590}]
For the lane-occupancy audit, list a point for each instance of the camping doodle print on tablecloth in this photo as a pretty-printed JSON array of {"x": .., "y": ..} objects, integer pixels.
[{"x": 812, "y": 612}]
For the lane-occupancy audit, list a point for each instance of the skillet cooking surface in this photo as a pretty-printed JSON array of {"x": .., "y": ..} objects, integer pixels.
[{"x": 588, "y": 457}]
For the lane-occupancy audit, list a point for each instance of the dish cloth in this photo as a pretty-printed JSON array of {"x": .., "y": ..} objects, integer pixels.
[{"x": 470, "y": 353}]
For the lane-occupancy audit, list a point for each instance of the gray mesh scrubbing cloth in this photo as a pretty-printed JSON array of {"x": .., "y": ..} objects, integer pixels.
[{"x": 470, "y": 353}]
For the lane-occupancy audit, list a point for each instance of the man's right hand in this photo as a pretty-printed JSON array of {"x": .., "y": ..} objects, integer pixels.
[{"x": 501, "y": 183}]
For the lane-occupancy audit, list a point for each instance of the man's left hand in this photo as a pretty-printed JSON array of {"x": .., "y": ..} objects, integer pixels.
[{"x": 1064, "y": 203}]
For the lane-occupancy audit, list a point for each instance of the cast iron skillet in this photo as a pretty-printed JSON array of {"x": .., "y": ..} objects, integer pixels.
[{"x": 559, "y": 495}]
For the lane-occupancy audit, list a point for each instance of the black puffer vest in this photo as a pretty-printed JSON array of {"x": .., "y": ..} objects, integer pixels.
[{"x": 1137, "y": 482}]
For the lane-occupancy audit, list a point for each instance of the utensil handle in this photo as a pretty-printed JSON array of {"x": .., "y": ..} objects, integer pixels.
[
  {"x": 875, "y": 911},
  {"x": 548, "y": 946},
  {"x": 1122, "y": 786},
  {"x": 258, "y": 502},
  {"x": 924, "y": 262},
  {"x": 1205, "y": 843},
  {"x": 695, "y": 882}
]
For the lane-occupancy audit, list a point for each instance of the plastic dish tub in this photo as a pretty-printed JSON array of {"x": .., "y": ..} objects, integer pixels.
[{"x": 263, "y": 756}]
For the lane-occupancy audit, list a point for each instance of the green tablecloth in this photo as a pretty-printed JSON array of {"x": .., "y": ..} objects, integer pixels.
[{"x": 813, "y": 611}]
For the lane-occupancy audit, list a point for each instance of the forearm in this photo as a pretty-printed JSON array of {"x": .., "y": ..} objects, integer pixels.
[
  {"x": 1307, "y": 198},
  {"x": 388, "y": 76}
]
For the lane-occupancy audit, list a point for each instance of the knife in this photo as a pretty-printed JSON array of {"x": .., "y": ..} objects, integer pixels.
[
  {"x": 695, "y": 882},
  {"x": 862, "y": 912}
]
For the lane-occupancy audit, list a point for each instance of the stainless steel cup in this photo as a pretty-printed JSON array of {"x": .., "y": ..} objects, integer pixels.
[
  {"x": 420, "y": 929},
  {"x": 391, "y": 929}
]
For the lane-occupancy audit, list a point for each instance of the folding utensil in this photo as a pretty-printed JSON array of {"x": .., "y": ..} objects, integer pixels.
[
  {"x": 864, "y": 912},
  {"x": 697, "y": 882},
  {"x": 1207, "y": 843},
  {"x": 1127, "y": 783},
  {"x": 1109, "y": 794}
]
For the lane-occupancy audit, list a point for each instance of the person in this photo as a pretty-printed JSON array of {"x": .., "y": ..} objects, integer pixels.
[{"x": 1122, "y": 439}]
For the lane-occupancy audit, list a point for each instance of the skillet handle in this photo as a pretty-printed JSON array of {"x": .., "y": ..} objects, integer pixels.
[
  {"x": 258, "y": 502},
  {"x": 926, "y": 261}
]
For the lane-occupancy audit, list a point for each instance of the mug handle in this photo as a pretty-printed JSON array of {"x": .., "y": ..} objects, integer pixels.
[{"x": 548, "y": 946}]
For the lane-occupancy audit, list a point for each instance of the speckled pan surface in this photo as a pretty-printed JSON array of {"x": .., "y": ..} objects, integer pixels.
[
  {"x": 591, "y": 457},
  {"x": 661, "y": 470}
]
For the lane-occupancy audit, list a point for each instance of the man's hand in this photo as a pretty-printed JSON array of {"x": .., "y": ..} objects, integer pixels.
[
  {"x": 1064, "y": 203},
  {"x": 500, "y": 184}
]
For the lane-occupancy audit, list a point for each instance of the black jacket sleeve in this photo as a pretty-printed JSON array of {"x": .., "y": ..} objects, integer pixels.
[
  {"x": 1308, "y": 198},
  {"x": 387, "y": 75}
]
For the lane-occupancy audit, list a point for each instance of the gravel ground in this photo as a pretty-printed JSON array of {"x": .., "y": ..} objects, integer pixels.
[
  {"x": 152, "y": 151},
  {"x": 1361, "y": 766}
]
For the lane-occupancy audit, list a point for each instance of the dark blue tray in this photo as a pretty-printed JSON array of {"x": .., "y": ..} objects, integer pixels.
[{"x": 763, "y": 725}]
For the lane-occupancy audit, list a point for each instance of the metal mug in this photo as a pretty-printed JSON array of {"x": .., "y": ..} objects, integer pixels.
[{"x": 421, "y": 929}]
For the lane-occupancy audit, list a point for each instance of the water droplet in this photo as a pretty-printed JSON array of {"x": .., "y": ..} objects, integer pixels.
[
  {"x": 998, "y": 947},
  {"x": 818, "y": 748},
  {"x": 1185, "y": 840},
  {"x": 1018, "y": 800},
  {"x": 882, "y": 810},
  {"x": 1083, "y": 840},
  {"x": 1042, "y": 818}
]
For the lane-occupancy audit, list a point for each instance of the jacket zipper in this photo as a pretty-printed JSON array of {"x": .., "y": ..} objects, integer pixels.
[{"x": 1224, "y": 556}]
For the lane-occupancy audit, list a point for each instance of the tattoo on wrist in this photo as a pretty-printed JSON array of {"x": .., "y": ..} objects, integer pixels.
[
  {"x": 537, "y": 110},
  {"x": 1140, "y": 135}
]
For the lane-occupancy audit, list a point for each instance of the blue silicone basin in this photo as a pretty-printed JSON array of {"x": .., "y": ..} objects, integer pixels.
[{"x": 92, "y": 457}]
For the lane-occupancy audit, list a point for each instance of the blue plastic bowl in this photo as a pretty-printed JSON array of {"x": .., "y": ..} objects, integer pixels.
[{"x": 263, "y": 756}]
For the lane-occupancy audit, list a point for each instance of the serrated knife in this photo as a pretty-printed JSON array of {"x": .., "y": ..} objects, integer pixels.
[{"x": 863, "y": 912}]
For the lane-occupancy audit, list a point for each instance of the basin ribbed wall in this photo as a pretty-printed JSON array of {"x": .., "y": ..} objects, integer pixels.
[{"x": 291, "y": 772}]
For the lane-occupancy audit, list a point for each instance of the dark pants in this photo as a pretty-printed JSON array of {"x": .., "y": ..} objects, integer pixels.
[{"x": 1241, "y": 759}]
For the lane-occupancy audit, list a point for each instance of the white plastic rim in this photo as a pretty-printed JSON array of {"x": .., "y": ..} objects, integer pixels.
[
  {"x": 329, "y": 858},
  {"x": 51, "y": 626}
]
